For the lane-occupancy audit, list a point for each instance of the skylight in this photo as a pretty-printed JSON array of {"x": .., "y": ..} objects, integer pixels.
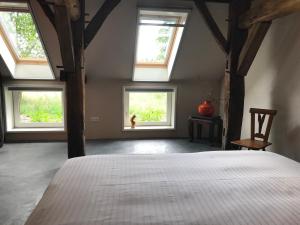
[
  {"x": 155, "y": 41},
  {"x": 20, "y": 44},
  {"x": 158, "y": 38},
  {"x": 19, "y": 29}
]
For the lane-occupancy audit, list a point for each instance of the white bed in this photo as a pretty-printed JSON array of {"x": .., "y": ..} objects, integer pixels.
[{"x": 210, "y": 188}]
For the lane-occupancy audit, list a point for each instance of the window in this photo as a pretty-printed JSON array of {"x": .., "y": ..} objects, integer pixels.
[
  {"x": 20, "y": 44},
  {"x": 155, "y": 41},
  {"x": 158, "y": 38},
  {"x": 35, "y": 108},
  {"x": 153, "y": 107},
  {"x": 21, "y": 36}
]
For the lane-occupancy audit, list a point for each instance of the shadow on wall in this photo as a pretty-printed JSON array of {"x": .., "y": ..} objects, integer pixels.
[{"x": 285, "y": 92}]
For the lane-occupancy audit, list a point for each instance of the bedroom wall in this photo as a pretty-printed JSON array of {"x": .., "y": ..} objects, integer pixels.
[
  {"x": 110, "y": 58},
  {"x": 104, "y": 100},
  {"x": 274, "y": 82}
]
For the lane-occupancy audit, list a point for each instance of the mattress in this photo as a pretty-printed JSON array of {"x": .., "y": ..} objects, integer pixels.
[{"x": 209, "y": 188}]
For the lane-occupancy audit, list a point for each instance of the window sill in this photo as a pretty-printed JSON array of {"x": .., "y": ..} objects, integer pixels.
[
  {"x": 22, "y": 130},
  {"x": 145, "y": 128}
]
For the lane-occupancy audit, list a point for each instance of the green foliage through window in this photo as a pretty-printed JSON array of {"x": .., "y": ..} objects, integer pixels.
[
  {"x": 148, "y": 106},
  {"x": 22, "y": 34},
  {"x": 41, "y": 107}
]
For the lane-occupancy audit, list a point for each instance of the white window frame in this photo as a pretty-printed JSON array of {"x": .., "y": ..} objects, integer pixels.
[
  {"x": 171, "y": 103},
  {"x": 12, "y": 99}
]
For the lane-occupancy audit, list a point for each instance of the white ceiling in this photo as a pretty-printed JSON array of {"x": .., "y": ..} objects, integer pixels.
[{"x": 111, "y": 54}]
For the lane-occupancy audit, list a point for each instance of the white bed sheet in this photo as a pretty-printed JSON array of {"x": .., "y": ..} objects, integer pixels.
[{"x": 209, "y": 188}]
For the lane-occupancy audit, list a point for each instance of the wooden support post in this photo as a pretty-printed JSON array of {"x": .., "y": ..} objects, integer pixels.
[
  {"x": 2, "y": 114},
  {"x": 234, "y": 84},
  {"x": 76, "y": 91},
  {"x": 64, "y": 33}
]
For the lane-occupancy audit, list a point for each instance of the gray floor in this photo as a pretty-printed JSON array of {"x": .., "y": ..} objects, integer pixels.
[{"x": 26, "y": 169}]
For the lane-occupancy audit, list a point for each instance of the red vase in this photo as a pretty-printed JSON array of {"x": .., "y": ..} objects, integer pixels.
[{"x": 206, "y": 109}]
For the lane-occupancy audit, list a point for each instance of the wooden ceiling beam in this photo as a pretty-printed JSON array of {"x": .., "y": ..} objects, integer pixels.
[
  {"x": 65, "y": 37},
  {"x": 97, "y": 21},
  {"x": 213, "y": 27},
  {"x": 256, "y": 35},
  {"x": 268, "y": 10},
  {"x": 219, "y": 1},
  {"x": 47, "y": 10}
]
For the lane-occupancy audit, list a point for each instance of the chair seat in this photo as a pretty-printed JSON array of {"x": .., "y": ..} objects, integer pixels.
[{"x": 251, "y": 144}]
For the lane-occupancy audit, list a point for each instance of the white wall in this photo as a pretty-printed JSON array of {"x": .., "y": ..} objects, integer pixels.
[
  {"x": 274, "y": 82},
  {"x": 104, "y": 100}
]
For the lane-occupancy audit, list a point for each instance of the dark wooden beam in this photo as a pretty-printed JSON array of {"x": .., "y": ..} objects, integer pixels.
[
  {"x": 97, "y": 21},
  {"x": 47, "y": 10},
  {"x": 64, "y": 33},
  {"x": 234, "y": 84},
  {"x": 213, "y": 27},
  {"x": 256, "y": 35},
  {"x": 218, "y": 1},
  {"x": 76, "y": 91},
  {"x": 4, "y": 71},
  {"x": 268, "y": 10}
]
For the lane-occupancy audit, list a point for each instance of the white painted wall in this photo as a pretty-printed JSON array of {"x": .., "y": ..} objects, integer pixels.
[
  {"x": 274, "y": 82},
  {"x": 104, "y": 100},
  {"x": 109, "y": 65}
]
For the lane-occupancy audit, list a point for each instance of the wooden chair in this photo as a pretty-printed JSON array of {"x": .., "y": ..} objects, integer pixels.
[{"x": 253, "y": 143}]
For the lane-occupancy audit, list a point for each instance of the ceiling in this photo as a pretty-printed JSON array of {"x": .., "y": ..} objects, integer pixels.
[{"x": 111, "y": 53}]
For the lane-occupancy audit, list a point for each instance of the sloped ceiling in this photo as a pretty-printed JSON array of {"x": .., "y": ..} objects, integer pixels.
[{"x": 111, "y": 54}]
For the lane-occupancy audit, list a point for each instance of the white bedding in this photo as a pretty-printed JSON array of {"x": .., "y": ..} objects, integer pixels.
[{"x": 209, "y": 188}]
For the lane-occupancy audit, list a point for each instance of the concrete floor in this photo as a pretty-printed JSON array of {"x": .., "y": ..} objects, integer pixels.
[{"x": 26, "y": 169}]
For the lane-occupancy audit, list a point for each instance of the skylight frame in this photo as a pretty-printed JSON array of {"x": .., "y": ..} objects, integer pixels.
[
  {"x": 170, "y": 44},
  {"x": 9, "y": 44},
  {"x": 12, "y": 6},
  {"x": 159, "y": 72}
]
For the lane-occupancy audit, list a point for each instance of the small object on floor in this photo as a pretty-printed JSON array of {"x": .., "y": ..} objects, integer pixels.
[{"x": 253, "y": 143}]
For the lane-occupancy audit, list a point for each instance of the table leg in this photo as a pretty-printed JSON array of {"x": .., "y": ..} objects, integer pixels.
[
  {"x": 199, "y": 131},
  {"x": 220, "y": 131},
  {"x": 211, "y": 133},
  {"x": 191, "y": 130}
]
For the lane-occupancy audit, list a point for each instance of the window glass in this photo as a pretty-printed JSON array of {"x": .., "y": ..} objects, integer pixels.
[
  {"x": 38, "y": 108},
  {"x": 154, "y": 43},
  {"x": 22, "y": 35},
  {"x": 148, "y": 106}
]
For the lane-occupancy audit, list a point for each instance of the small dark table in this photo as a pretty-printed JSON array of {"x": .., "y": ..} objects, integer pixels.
[{"x": 213, "y": 122}]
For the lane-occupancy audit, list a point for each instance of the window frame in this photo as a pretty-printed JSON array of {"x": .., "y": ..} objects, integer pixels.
[
  {"x": 171, "y": 106},
  {"x": 10, "y": 46},
  {"x": 10, "y": 107},
  {"x": 170, "y": 45}
]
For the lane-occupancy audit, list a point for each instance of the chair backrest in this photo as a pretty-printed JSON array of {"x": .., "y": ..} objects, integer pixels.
[{"x": 261, "y": 114}]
